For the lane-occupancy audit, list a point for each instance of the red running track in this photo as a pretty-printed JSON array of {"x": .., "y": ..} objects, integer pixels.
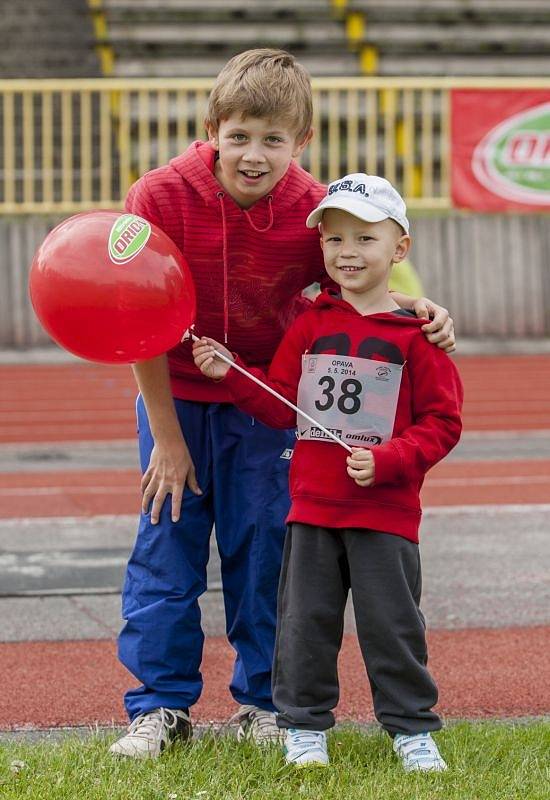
[
  {"x": 92, "y": 492},
  {"x": 48, "y": 684},
  {"x": 90, "y": 402}
]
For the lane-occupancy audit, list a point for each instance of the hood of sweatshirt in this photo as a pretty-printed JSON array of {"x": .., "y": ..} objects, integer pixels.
[{"x": 332, "y": 299}]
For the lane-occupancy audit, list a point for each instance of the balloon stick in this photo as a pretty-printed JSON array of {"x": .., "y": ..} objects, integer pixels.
[{"x": 240, "y": 369}]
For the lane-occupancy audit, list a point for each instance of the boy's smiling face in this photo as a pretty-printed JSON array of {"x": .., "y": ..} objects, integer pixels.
[
  {"x": 358, "y": 255},
  {"x": 254, "y": 154}
]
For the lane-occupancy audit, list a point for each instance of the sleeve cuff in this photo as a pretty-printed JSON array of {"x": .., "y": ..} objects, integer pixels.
[{"x": 238, "y": 384}]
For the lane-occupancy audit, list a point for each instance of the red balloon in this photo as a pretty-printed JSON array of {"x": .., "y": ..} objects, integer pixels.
[{"x": 112, "y": 287}]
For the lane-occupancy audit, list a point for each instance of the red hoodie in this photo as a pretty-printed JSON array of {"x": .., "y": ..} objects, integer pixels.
[
  {"x": 249, "y": 266},
  {"x": 427, "y": 422}
]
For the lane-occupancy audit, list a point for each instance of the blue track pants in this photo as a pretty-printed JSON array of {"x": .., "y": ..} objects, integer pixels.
[{"x": 242, "y": 469}]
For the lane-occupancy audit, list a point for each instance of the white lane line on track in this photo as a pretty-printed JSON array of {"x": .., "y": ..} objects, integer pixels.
[
  {"x": 541, "y": 433},
  {"x": 496, "y": 480},
  {"x": 48, "y": 491},
  {"x": 120, "y": 520},
  {"x": 80, "y": 444},
  {"x": 32, "y": 491},
  {"x": 492, "y": 509},
  {"x": 123, "y": 519}
]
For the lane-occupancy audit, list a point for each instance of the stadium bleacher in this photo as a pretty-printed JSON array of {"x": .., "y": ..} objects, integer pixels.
[
  {"x": 452, "y": 37},
  {"x": 47, "y": 38},
  {"x": 384, "y": 37},
  {"x": 180, "y": 37}
]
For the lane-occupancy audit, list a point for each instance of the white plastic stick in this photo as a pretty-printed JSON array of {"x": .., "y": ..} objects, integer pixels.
[{"x": 278, "y": 396}]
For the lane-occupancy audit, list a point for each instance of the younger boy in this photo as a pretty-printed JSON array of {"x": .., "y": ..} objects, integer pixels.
[{"x": 359, "y": 365}]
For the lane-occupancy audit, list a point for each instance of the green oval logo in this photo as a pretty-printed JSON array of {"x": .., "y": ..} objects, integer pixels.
[
  {"x": 513, "y": 160},
  {"x": 128, "y": 237}
]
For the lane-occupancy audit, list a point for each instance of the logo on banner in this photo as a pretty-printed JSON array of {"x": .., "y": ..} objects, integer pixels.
[{"x": 513, "y": 160}]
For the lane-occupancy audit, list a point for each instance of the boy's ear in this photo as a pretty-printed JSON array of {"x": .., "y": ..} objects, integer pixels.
[
  {"x": 213, "y": 137},
  {"x": 401, "y": 248},
  {"x": 300, "y": 146}
]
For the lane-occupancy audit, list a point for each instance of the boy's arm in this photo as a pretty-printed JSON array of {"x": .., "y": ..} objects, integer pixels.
[
  {"x": 283, "y": 376},
  {"x": 170, "y": 466},
  {"x": 436, "y": 399}
]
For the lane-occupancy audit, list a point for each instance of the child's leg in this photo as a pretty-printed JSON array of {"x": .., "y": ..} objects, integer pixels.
[
  {"x": 386, "y": 584},
  {"x": 312, "y": 598},
  {"x": 161, "y": 642},
  {"x": 251, "y": 502}
]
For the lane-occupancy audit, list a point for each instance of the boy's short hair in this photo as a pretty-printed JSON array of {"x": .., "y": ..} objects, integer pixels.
[{"x": 263, "y": 83}]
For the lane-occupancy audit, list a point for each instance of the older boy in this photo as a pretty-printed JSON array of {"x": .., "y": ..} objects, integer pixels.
[
  {"x": 361, "y": 366},
  {"x": 236, "y": 207}
]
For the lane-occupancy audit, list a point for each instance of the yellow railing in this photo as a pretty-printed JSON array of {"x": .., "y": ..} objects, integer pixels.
[{"x": 70, "y": 145}]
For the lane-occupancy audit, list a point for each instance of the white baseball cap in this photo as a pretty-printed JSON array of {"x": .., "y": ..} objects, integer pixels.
[{"x": 367, "y": 197}]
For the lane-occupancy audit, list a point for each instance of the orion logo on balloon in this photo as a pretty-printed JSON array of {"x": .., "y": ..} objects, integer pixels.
[{"x": 127, "y": 238}]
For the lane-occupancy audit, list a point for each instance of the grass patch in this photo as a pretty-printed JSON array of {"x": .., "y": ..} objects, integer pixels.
[{"x": 488, "y": 761}]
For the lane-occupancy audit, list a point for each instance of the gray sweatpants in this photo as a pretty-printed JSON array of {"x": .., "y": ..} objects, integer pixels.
[{"x": 320, "y": 566}]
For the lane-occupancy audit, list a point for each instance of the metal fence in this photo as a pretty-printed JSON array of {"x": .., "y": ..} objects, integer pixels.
[{"x": 70, "y": 145}]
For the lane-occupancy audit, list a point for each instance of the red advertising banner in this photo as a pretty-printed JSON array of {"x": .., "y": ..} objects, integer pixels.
[{"x": 500, "y": 149}]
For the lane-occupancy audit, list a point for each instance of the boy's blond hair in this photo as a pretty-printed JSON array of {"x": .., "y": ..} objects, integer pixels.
[{"x": 263, "y": 83}]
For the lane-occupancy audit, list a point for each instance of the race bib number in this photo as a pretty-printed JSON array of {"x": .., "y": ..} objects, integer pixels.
[{"x": 355, "y": 398}]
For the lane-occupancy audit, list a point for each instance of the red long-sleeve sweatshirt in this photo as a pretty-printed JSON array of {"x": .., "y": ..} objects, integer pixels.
[
  {"x": 427, "y": 422},
  {"x": 249, "y": 266}
]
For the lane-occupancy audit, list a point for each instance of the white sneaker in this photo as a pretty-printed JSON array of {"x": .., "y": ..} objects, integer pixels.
[
  {"x": 258, "y": 725},
  {"x": 306, "y": 748},
  {"x": 149, "y": 734},
  {"x": 418, "y": 753}
]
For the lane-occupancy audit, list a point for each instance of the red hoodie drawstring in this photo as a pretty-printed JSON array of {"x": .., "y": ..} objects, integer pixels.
[
  {"x": 220, "y": 196},
  {"x": 269, "y": 224}
]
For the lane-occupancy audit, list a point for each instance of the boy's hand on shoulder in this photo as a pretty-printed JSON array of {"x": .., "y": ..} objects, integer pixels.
[
  {"x": 206, "y": 360},
  {"x": 440, "y": 329},
  {"x": 361, "y": 466}
]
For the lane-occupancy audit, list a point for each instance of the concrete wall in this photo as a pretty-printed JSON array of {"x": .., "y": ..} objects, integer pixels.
[{"x": 493, "y": 272}]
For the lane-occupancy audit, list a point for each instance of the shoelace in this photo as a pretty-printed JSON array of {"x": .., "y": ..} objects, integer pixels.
[
  {"x": 261, "y": 724},
  {"x": 419, "y": 749},
  {"x": 306, "y": 739},
  {"x": 257, "y": 718},
  {"x": 262, "y": 721},
  {"x": 151, "y": 724}
]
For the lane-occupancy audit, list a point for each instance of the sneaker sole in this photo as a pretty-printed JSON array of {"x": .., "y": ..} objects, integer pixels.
[{"x": 181, "y": 739}]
